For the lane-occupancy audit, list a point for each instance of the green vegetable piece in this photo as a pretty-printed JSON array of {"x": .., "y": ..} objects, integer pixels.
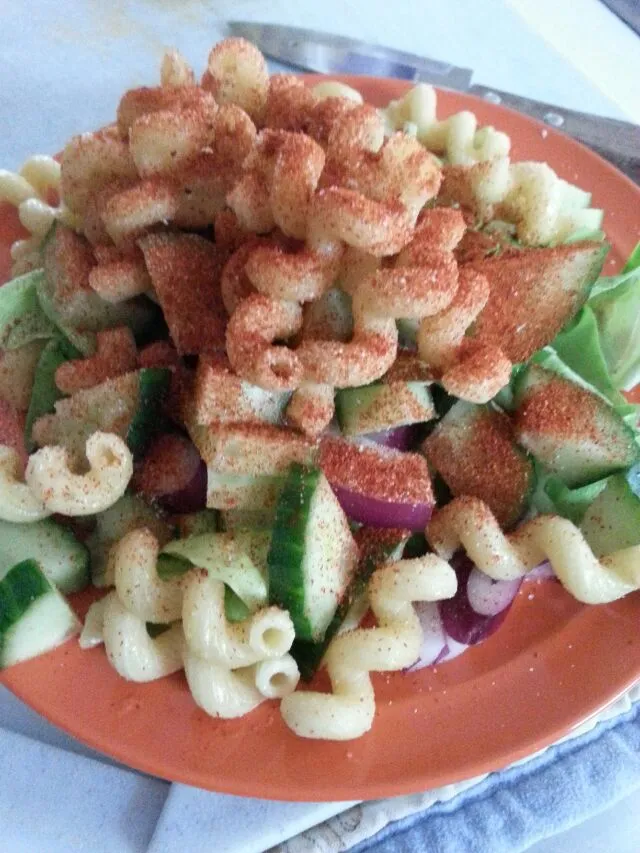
[
  {"x": 615, "y": 303},
  {"x": 22, "y": 320},
  {"x": 45, "y": 392}
]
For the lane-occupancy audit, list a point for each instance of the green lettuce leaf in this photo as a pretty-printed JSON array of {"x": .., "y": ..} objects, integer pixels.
[{"x": 615, "y": 302}]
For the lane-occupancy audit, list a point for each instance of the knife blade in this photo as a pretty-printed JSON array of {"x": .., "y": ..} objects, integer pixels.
[{"x": 617, "y": 141}]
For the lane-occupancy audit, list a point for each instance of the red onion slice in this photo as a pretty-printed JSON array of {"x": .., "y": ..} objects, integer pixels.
[
  {"x": 378, "y": 513},
  {"x": 173, "y": 474},
  {"x": 452, "y": 649},
  {"x": 541, "y": 572},
  {"x": 461, "y": 622},
  {"x": 489, "y": 597},
  {"x": 433, "y": 636},
  {"x": 400, "y": 438}
]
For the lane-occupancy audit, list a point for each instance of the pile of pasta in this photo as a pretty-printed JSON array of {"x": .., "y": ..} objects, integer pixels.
[{"x": 301, "y": 188}]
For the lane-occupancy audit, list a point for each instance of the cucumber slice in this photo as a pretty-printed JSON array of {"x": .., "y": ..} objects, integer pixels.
[
  {"x": 574, "y": 433},
  {"x": 64, "y": 560},
  {"x": 34, "y": 617},
  {"x": 83, "y": 341},
  {"x": 407, "y": 332},
  {"x": 17, "y": 373},
  {"x": 242, "y": 491},
  {"x": 127, "y": 514},
  {"x": 148, "y": 420},
  {"x": 473, "y": 449},
  {"x": 376, "y": 546},
  {"x": 22, "y": 320},
  {"x": 383, "y": 406},
  {"x": 234, "y": 607},
  {"x": 129, "y": 405},
  {"x": 248, "y": 519},
  {"x": 612, "y": 522},
  {"x": 194, "y": 523},
  {"x": 238, "y": 559},
  {"x": 313, "y": 555},
  {"x": 45, "y": 393},
  {"x": 534, "y": 293}
]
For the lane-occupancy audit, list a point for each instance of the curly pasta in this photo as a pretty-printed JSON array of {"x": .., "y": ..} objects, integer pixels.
[
  {"x": 31, "y": 191},
  {"x": 469, "y": 523},
  {"x": 470, "y": 370},
  {"x": 237, "y": 74},
  {"x": 276, "y": 677},
  {"x": 137, "y": 583},
  {"x": 365, "y": 358},
  {"x": 220, "y": 691},
  {"x": 132, "y": 652},
  {"x": 17, "y": 502},
  {"x": 60, "y": 490},
  {"x": 265, "y": 635},
  {"x": 301, "y": 275},
  {"x": 175, "y": 71},
  {"x": 256, "y": 323},
  {"x": 348, "y": 711}
]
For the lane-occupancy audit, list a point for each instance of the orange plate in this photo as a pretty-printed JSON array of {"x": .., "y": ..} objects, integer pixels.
[{"x": 551, "y": 665}]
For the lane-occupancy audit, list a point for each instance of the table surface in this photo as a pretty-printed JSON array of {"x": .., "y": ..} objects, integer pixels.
[{"x": 61, "y": 54}]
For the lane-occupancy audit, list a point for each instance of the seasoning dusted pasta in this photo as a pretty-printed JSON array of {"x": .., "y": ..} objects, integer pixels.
[{"x": 292, "y": 355}]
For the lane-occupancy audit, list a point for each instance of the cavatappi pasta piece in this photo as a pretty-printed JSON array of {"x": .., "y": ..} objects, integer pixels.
[
  {"x": 409, "y": 290},
  {"x": 175, "y": 71},
  {"x": 266, "y": 634},
  {"x": 276, "y": 677},
  {"x": 120, "y": 278},
  {"x": 132, "y": 652},
  {"x": 470, "y": 370},
  {"x": 348, "y": 711},
  {"x": 130, "y": 212},
  {"x": 301, "y": 275},
  {"x": 220, "y": 691},
  {"x": 92, "y": 633},
  {"x": 469, "y": 523},
  {"x": 365, "y": 358},
  {"x": 60, "y": 490},
  {"x": 457, "y": 137},
  {"x": 335, "y": 89},
  {"x": 90, "y": 162},
  {"x": 297, "y": 168},
  {"x": 237, "y": 74},
  {"x": 137, "y": 583},
  {"x": 256, "y": 323},
  {"x": 31, "y": 191},
  {"x": 17, "y": 502}
]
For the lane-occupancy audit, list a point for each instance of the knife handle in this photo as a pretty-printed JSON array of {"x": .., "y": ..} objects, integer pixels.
[{"x": 615, "y": 140}]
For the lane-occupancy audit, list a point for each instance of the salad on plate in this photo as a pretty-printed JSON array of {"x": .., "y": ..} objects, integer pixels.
[{"x": 295, "y": 383}]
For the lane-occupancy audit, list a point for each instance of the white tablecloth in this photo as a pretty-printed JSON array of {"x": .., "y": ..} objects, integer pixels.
[{"x": 63, "y": 65}]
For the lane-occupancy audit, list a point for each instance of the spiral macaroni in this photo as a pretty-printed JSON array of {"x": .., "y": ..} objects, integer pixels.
[
  {"x": 132, "y": 652},
  {"x": 469, "y": 523},
  {"x": 348, "y": 711},
  {"x": 60, "y": 490},
  {"x": 18, "y": 503},
  {"x": 470, "y": 370},
  {"x": 30, "y": 191},
  {"x": 265, "y": 635}
]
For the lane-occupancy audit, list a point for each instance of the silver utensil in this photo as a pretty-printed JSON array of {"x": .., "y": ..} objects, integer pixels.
[{"x": 617, "y": 141}]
